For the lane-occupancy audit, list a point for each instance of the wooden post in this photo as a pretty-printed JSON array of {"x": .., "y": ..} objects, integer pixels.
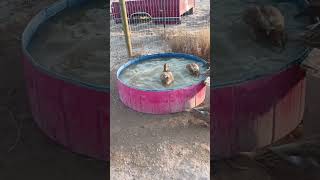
[
  {"x": 126, "y": 26},
  {"x": 164, "y": 24}
]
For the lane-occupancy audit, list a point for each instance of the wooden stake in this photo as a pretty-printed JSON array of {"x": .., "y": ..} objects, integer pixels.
[{"x": 126, "y": 26}]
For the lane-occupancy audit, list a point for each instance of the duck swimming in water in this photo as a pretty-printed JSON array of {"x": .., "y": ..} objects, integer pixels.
[
  {"x": 267, "y": 22},
  {"x": 166, "y": 76},
  {"x": 193, "y": 69}
]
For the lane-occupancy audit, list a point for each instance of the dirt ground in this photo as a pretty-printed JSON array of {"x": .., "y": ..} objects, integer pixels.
[{"x": 33, "y": 155}]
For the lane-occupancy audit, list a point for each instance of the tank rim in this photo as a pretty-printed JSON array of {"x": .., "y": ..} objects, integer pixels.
[
  {"x": 33, "y": 26},
  {"x": 299, "y": 60}
]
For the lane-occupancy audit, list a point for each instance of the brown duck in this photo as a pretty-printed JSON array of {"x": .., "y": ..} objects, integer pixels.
[
  {"x": 166, "y": 76},
  {"x": 267, "y": 22},
  {"x": 193, "y": 69}
]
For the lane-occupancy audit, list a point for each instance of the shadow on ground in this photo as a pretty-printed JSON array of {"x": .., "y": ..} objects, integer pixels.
[{"x": 32, "y": 155}]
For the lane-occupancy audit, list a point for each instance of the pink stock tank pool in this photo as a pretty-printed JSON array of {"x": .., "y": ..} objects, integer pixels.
[
  {"x": 258, "y": 91},
  {"x": 143, "y": 91},
  {"x": 68, "y": 107}
]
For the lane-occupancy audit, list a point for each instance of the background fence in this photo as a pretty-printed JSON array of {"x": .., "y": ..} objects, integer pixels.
[{"x": 152, "y": 22}]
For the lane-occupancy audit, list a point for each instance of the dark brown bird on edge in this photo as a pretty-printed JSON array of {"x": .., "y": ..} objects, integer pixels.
[
  {"x": 311, "y": 38},
  {"x": 202, "y": 113},
  {"x": 299, "y": 160}
]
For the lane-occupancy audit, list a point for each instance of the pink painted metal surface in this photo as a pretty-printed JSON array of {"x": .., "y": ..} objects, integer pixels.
[
  {"x": 186, "y": 5},
  {"x": 162, "y": 102},
  {"x": 74, "y": 116},
  {"x": 256, "y": 113},
  {"x": 157, "y": 9}
]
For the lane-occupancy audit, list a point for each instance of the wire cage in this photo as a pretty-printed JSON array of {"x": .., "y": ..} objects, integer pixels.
[{"x": 150, "y": 21}]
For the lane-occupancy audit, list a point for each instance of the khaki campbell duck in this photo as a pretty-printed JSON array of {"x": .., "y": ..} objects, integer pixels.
[
  {"x": 193, "y": 69},
  {"x": 266, "y": 22},
  {"x": 166, "y": 76}
]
